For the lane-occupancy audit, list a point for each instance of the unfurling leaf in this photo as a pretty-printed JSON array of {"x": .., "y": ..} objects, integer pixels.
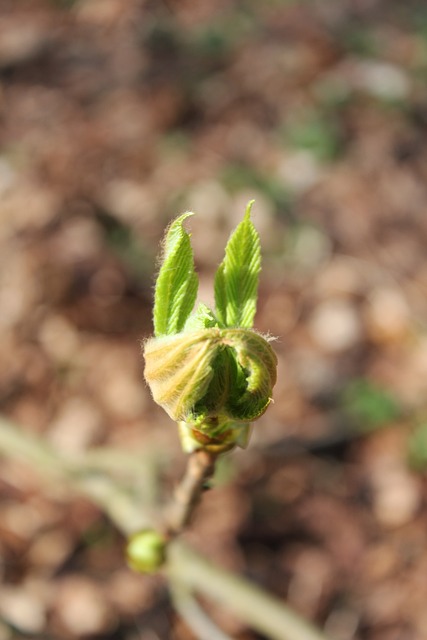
[
  {"x": 177, "y": 283},
  {"x": 236, "y": 280},
  {"x": 202, "y": 318},
  {"x": 211, "y": 376},
  {"x": 178, "y": 369}
]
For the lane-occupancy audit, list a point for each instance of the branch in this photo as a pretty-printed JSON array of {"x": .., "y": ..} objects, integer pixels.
[
  {"x": 200, "y": 468},
  {"x": 258, "y": 609},
  {"x": 117, "y": 500},
  {"x": 190, "y": 611}
]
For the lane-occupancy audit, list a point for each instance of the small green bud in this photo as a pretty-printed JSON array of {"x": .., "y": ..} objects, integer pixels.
[{"x": 146, "y": 551}]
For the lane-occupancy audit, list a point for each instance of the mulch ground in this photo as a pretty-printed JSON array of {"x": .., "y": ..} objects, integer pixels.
[{"x": 116, "y": 116}]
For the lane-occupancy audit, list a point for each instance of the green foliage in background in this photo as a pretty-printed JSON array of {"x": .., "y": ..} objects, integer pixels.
[
  {"x": 417, "y": 447},
  {"x": 122, "y": 240},
  {"x": 368, "y": 406},
  {"x": 315, "y": 132},
  {"x": 239, "y": 176}
]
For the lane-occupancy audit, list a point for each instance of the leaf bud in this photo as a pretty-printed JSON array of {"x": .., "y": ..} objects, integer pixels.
[
  {"x": 213, "y": 381},
  {"x": 146, "y": 551}
]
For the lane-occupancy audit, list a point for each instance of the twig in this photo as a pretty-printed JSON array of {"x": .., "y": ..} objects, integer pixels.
[
  {"x": 105, "y": 491},
  {"x": 200, "y": 468},
  {"x": 190, "y": 611},
  {"x": 255, "y": 607}
]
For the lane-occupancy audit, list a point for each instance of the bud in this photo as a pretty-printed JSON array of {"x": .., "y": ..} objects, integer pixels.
[
  {"x": 208, "y": 369},
  {"x": 214, "y": 382},
  {"x": 146, "y": 551}
]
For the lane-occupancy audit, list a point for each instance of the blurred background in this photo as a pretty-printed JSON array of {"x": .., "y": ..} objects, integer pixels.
[{"x": 115, "y": 116}]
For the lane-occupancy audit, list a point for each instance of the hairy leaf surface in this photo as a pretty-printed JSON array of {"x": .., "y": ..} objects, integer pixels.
[
  {"x": 236, "y": 280},
  {"x": 177, "y": 283}
]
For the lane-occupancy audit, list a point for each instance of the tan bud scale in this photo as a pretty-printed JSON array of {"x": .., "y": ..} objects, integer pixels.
[{"x": 211, "y": 372}]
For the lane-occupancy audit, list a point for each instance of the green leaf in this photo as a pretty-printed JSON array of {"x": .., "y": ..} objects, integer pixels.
[
  {"x": 177, "y": 283},
  {"x": 202, "y": 318},
  {"x": 236, "y": 280}
]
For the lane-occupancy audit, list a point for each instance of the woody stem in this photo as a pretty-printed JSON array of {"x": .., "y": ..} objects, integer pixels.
[{"x": 200, "y": 468}]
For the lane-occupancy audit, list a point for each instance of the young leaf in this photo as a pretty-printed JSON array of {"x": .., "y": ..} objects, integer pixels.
[
  {"x": 202, "y": 318},
  {"x": 236, "y": 280},
  {"x": 177, "y": 283}
]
